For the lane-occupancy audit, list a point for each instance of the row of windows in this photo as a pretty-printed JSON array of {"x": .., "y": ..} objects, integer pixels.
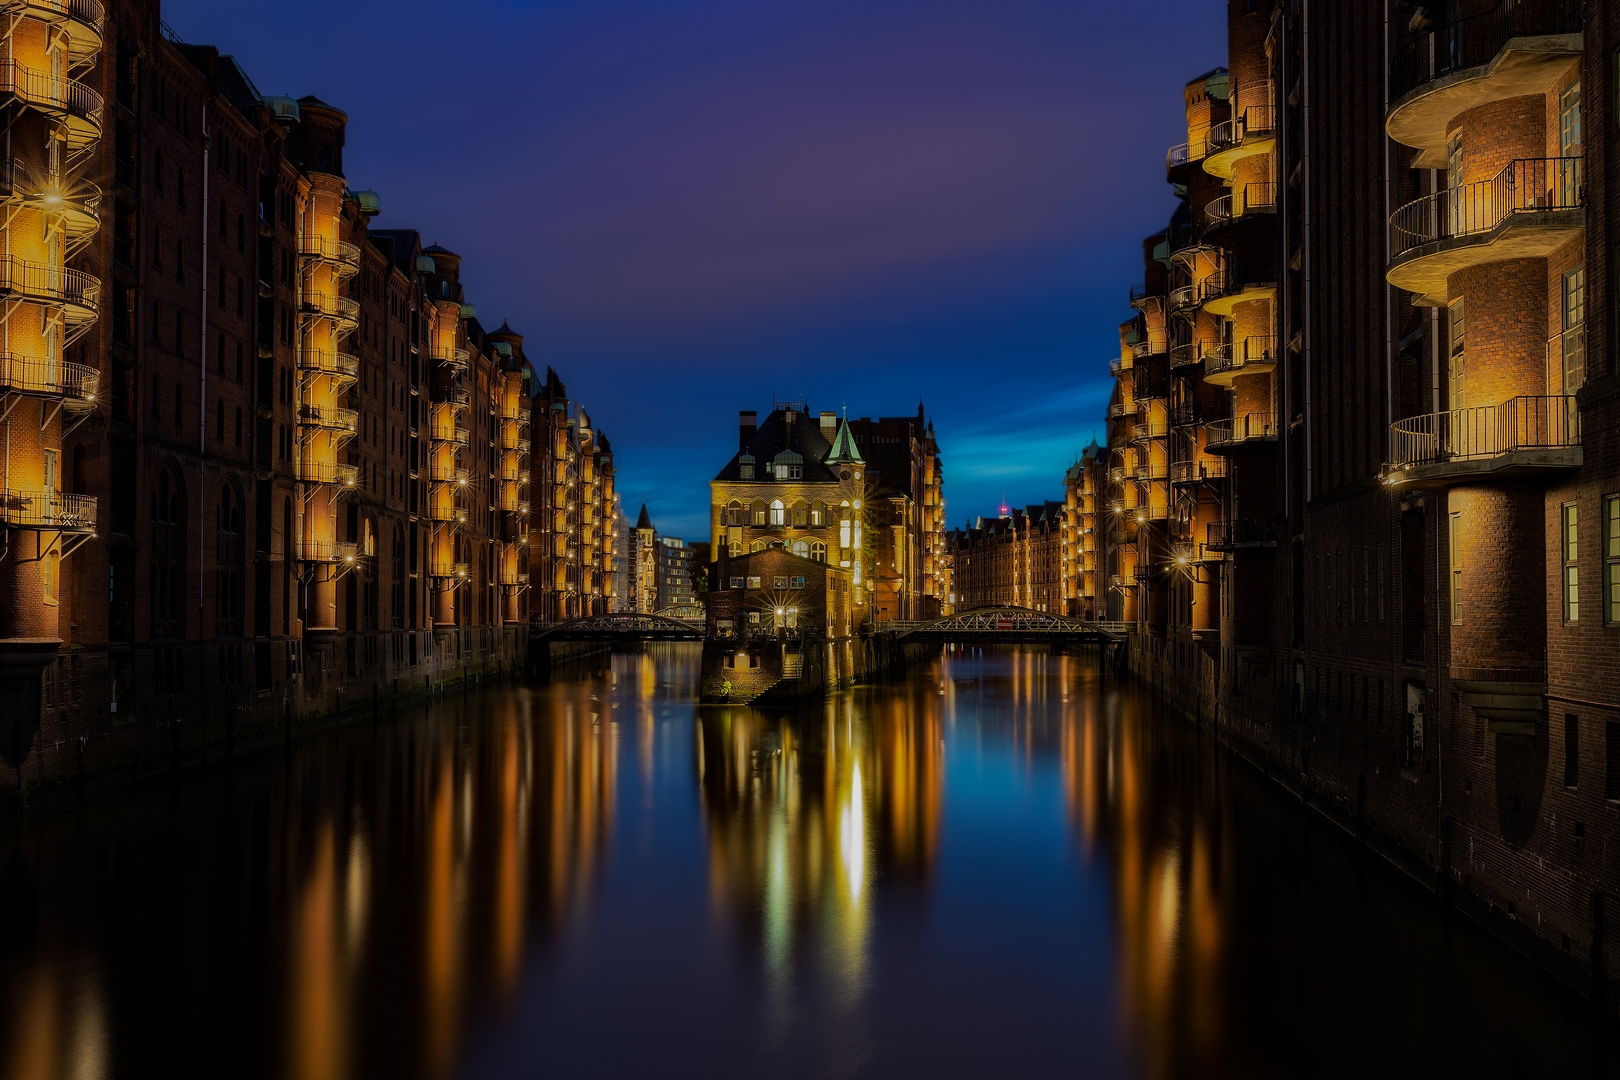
[
  {"x": 1569, "y": 542},
  {"x": 804, "y": 549},
  {"x": 777, "y": 582}
]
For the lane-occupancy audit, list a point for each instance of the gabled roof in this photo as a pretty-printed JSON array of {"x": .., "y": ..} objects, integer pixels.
[{"x": 775, "y": 435}]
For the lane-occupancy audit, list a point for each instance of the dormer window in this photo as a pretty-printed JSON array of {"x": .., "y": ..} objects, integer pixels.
[{"x": 745, "y": 471}]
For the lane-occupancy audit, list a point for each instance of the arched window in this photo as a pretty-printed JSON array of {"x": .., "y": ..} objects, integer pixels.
[
  {"x": 734, "y": 548},
  {"x": 801, "y": 548},
  {"x": 757, "y": 512},
  {"x": 228, "y": 558},
  {"x": 799, "y": 515},
  {"x": 818, "y": 551},
  {"x": 818, "y": 515},
  {"x": 778, "y": 515},
  {"x": 734, "y": 513},
  {"x": 758, "y": 545},
  {"x": 168, "y": 556}
]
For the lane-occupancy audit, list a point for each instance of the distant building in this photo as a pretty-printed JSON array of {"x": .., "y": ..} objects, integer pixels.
[
  {"x": 675, "y": 593},
  {"x": 1011, "y": 561}
]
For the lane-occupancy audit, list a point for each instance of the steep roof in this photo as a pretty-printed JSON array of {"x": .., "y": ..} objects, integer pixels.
[
  {"x": 774, "y": 435},
  {"x": 645, "y": 520},
  {"x": 844, "y": 451}
]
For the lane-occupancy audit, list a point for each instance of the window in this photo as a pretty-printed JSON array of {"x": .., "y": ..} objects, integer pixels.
[
  {"x": 844, "y": 533},
  {"x": 757, "y": 515},
  {"x": 1611, "y": 764},
  {"x": 753, "y": 582},
  {"x": 736, "y": 583},
  {"x": 757, "y": 545},
  {"x": 778, "y": 515},
  {"x": 801, "y": 548},
  {"x": 746, "y": 472},
  {"x": 818, "y": 551},
  {"x": 798, "y": 582},
  {"x": 734, "y": 514},
  {"x": 1572, "y": 571},
  {"x": 1611, "y": 559},
  {"x": 1457, "y": 372},
  {"x": 734, "y": 548},
  {"x": 1572, "y": 750},
  {"x": 1569, "y": 120},
  {"x": 1454, "y": 557},
  {"x": 818, "y": 516},
  {"x": 799, "y": 517},
  {"x": 779, "y": 582}
]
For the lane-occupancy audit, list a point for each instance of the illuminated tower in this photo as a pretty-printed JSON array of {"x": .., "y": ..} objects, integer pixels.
[
  {"x": 845, "y": 460},
  {"x": 511, "y": 404},
  {"x": 448, "y": 433},
  {"x": 53, "y": 123}
]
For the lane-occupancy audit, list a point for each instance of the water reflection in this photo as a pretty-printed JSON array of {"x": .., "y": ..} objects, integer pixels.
[{"x": 1003, "y": 865}]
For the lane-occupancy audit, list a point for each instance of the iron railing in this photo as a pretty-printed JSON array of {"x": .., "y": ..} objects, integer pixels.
[
  {"x": 1471, "y": 42},
  {"x": 48, "y": 510},
  {"x": 1530, "y": 422},
  {"x": 39, "y": 375},
  {"x": 326, "y": 362},
  {"x": 444, "y": 569},
  {"x": 54, "y": 92},
  {"x": 456, "y": 358},
  {"x": 1115, "y": 366},
  {"x": 444, "y": 433},
  {"x": 446, "y": 474},
  {"x": 1151, "y": 428},
  {"x": 1231, "y": 533},
  {"x": 1196, "y": 472},
  {"x": 1185, "y": 414},
  {"x": 326, "y": 472},
  {"x": 87, "y": 12},
  {"x": 1154, "y": 345},
  {"x": 35, "y": 186},
  {"x": 340, "y": 308},
  {"x": 1140, "y": 295},
  {"x": 1259, "y": 197},
  {"x": 43, "y": 281},
  {"x": 1183, "y": 296},
  {"x": 327, "y": 551},
  {"x": 1240, "y": 429},
  {"x": 1121, "y": 409},
  {"x": 330, "y": 250},
  {"x": 1525, "y": 186},
  {"x": 331, "y": 417},
  {"x": 1251, "y": 351}
]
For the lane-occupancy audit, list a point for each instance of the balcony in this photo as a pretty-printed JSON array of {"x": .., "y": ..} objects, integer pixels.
[
  {"x": 444, "y": 433},
  {"x": 510, "y": 408},
  {"x": 1120, "y": 409},
  {"x": 1518, "y": 48},
  {"x": 340, "y": 366},
  {"x": 1204, "y": 470},
  {"x": 81, "y": 21},
  {"x": 1253, "y": 355},
  {"x": 1222, "y": 436},
  {"x": 37, "y": 376},
  {"x": 1117, "y": 474},
  {"x": 327, "y": 551},
  {"x": 343, "y": 256},
  {"x": 329, "y": 417},
  {"x": 50, "y": 510},
  {"x": 440, "y": 568},
  {"x": 1179, "y": 157},
  {"x": 1183, "y": 297},
  {"x": 1236, "y": 533},
  {"x": 446, "y": 510},
  {"x": 78, "y": 201},
  {"x": 1249, "y": 204},
  {"x": 326, "y": 472},
  {"x": 457, "y": 359},
  {"x": 1251, "y": 130},
  {"x": 1153, "y": 346},
  {"x": 1531, "y": 207},
  {"x": 1151, "y": 470},
  {"x": 446, "y": 474},
  {"x": 1187, "y": 355},
  {"x": 69, "y": 100},
  {"x": 1143, "y": 298},
  {"x": 1150, "y": 427},
  {"x": 340, "y": 309},
  {"x": 1185, "y": 414},
  {"x": 1118, "y": 366},
  {"x": 1523, "y": 436},
  {"x": 77, "y": 293},
  {"x": 1234, "y": 285}
]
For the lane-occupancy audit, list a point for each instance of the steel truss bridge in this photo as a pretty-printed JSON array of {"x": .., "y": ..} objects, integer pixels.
[
  {"x": 621, "y": 627},
  {"x": 1013, "y": 625}
]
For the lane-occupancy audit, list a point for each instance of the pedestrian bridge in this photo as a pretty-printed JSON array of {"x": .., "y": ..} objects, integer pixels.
[
  {"x": 620, "y": 627},
  {"x": 1012, "y": 625}
]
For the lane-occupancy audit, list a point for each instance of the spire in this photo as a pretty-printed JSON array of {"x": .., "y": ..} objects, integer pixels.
[
  {"x": 645, "y": 520},
  {"x": 844, "y": 451}
]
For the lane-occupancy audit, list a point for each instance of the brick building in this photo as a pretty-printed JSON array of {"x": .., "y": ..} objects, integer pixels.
[
  {"x": 265, "y": 462},
  {"x": 1015, "y": 560},
  {"x": 575, "y": 548},
  {"x": 1361, "y": 494},
  {"x": 865, "y": 495}
]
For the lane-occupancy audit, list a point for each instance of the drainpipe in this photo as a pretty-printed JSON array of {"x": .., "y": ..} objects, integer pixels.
[
  {"x": 1390, "y": 299},
  {"x": 1305, "y": 171},
  {"x": 202, "y": 393}
]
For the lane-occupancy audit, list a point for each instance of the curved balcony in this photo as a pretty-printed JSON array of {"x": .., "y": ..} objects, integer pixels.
[
  {"x": 1120, "y": 409},
  {"x": 446, "y": 474},
  {"x": 1252, "y": 130},
  {"x": 457, "y": 359},
  {"x": 1153, "y": 346},
  {"x": 510, "y": 408},
  {"x": 48, "y": 510},
  {"x": 1150, "y": 428},
  {"x": 340, "y": 366},
  {"x": 1183, "y": 297},
  {"x": 329, "y": 417},
  {"x": 1185, "y": 414},
  {"x": 340, "y": 309},
  {"x": 76, "y": 292},
  {"x": 76, "y": 200},
  {"x": 1179, "y": 158},
  {"x": 1516, "y": 49},
  {"x": 1254, "y": 355},
  {"x": 514, "y": 504},
  {"x": 37, "y": 376},
  {"x": 1530, "y": 208},
  {"x": 327, "y": 472},
  {"x": 1152, "y": 470},
  {"x": 445, "y": 510},
  {"x": 82, "y": 22},
  {"x": 1256, "y": 202},
  {"x": 1117, "y": 366},
  {"x": 1523, "y": 436},
  {"x": 1234, "y": 533},
  {"x": 71, "y": 101},
  {"x": 1188, "y": 355},
  {"x": 341, "y": 255},
  {"x": 1222, "y": 436},
  {"x": 456, "y": 436},
  {"x": 1234, "y": 285},
  {"x": 1147, "y": 384},
  {"x": 1200, "y": 471},
  {"x": 1142, "y": 298},
  {"x": 457, "y": 397},
  {"x": 328, "y": 551}
]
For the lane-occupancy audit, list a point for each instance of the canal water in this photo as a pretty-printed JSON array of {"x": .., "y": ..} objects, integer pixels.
[{"x": 1004, "y": 866}]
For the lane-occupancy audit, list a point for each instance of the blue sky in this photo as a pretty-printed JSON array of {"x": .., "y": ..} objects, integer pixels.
[{"x": 691, "y": 207}]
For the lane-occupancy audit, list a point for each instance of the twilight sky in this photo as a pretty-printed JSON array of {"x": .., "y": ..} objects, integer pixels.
[{"x": 690, "y": 207}]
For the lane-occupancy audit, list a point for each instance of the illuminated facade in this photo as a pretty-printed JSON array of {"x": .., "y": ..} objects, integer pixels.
[
  {"x": 1359, "y": 503},
  {"x": 1011, "y": 561},
  {"x": 264, "y": 463},
  {"x": 575, "y": 561}
]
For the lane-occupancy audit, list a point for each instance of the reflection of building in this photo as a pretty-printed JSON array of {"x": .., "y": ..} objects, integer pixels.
[
  {"x": 1359, "y": 500},
  {"x": 575, "y": 545},
  {"x": 774, "y": 617},
  {"x": 261, "y": 456},
  {"x": 864, "y": 495}
]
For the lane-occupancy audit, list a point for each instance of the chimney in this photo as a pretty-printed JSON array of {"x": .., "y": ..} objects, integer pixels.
[
  {"x": 747, "y": 424},
  {"x": 829, "y": 422}
]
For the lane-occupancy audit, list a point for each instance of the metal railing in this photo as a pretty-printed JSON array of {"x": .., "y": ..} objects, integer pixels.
[
  {"x": 446, "y": 474},
  {"x": 1121, "y": 408},
  {"x": 341, "y": 308},
  {"x": 1476, "y": 40},
  {"x": 1230, "y": 533},
  {"x": 35, "y": 186},
  {"x": 1544, "y": 422},
  {"x": 42, "y": 281},
  {"x": 48, "y": 510},
  {"x": 1152, "y": 470},
  {"x": 1151, "y": 428},
  {"x": 1140, "y": 295},
  {"x": 1154, "y": 345},
  {"x": 56, "y": 93},
  {"x": 509, "y": 408},
  {"x": 338, "y": 251},
  {"x": 38, "y": 375},
  {"x": 332, "y": 417},
  {"x": 444, "y": 569},
  {"x": 457, "y": 435},
  {"x": 1240, "y": 429},
  {"x": 1525, "y": 186},
  {"x": 326, "y": 362},
  {"x": 327, "y": 472},
  {"x": 1183, "y": 296},
  {"x": 1116, "y": 366},
  {"x": 327, "y": 551},
  {"x": 1196, "y": 472},
  {"x": 1186, "y": 355},
  {"x": 1251, "y": 351},
  {"x": 1259, "y": 197},
  {"x": 456, "y": 358},
  {"x": 457, "y": 396},
  {"x": 87, "y": 12},
  {"x": 445, "y": 511}
]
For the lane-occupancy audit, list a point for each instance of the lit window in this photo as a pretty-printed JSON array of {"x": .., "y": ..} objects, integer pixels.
[
  {"x": 1572, "y": 571},
  {"x": 798, "y": 582},
  {"x": 736, "y": 583},
  {"x": 1454, "y": 554},
  {"x": 1458, "y": 368},
  {"x": 778, "y": 515},
  {"x": 1611, "y": 559},
  {"x": 779, "y": 582},
  {"x": 753, "y": 582},
  {"x": 844, "y": 533},
  {"x": 1569, "y": 120}
]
